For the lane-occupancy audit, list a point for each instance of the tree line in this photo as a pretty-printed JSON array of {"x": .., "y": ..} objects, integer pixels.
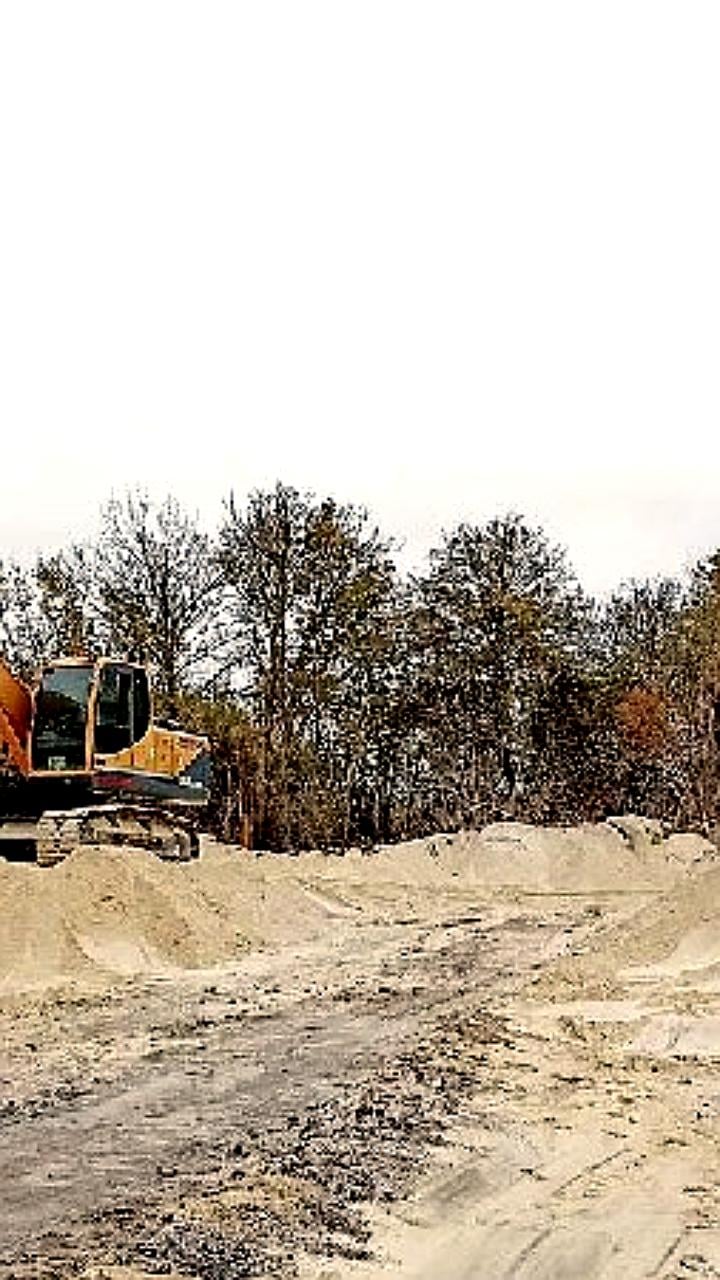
[{"x": 348, "y": 703}]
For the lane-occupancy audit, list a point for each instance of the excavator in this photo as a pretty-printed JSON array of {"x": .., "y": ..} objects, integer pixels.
[{"x": 82, "y": 761}]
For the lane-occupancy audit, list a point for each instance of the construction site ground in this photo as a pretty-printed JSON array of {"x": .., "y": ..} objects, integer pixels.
[{"x": 478, "y": 1055}]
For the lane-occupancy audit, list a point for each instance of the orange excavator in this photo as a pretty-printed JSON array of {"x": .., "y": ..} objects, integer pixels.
[{"x": 82, "y": 761}]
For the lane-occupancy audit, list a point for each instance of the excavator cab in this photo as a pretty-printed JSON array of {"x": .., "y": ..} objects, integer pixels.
[
  {"x": 94, "y": 720},
  {"x": 86, "y": 711}
]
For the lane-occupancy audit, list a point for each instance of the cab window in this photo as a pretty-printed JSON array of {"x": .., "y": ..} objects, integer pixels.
[
  {"x": 113, "y": 719},
  {"x": 141, "y": 705}
]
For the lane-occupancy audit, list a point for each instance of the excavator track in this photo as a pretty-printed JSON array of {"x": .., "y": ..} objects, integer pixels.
[{"x": 59, "y": 833}]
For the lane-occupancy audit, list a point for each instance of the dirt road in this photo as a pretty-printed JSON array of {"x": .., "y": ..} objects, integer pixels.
[
  {"x": 454, "y": 1083},
  {"x": 290, "y": 1089}
]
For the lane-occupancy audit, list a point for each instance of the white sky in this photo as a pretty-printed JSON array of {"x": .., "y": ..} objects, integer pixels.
[{"x": 442, "y": 259}]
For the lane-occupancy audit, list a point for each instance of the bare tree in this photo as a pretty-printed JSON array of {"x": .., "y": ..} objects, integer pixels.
[
  {"x": 499, "y": 616},
  {"x": 309, "y": 583},
  {"x": 157, "y": 590}
]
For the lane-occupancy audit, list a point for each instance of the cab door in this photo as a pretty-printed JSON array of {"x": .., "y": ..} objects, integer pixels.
[{"x": 122, "y": 708}]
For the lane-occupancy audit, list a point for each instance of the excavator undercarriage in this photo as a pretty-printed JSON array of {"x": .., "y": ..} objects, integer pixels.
[{"x": 58, "y": 833}]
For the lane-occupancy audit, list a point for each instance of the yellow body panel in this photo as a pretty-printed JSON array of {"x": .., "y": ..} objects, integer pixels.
[{"x": 164, "y": 751}]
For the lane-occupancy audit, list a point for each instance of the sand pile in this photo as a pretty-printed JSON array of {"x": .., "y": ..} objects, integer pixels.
[
  {"x": 622, "y": 855},
  {"x": 673, "y": 939},
  {"x": 106, "y": 912}
]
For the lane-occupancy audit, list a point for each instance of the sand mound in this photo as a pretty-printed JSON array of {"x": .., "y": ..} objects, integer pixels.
[
  {"x": 675, "y": 937},
  {"x": 105, "y": 913},
  {"x": 618, "y": 856}
]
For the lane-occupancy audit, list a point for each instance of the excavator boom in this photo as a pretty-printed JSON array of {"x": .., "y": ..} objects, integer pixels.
[{"x": 16, "y": 709}]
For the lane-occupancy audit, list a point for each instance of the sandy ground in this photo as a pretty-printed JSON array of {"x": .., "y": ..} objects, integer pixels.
[{"x": 483, "y": 1055}]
